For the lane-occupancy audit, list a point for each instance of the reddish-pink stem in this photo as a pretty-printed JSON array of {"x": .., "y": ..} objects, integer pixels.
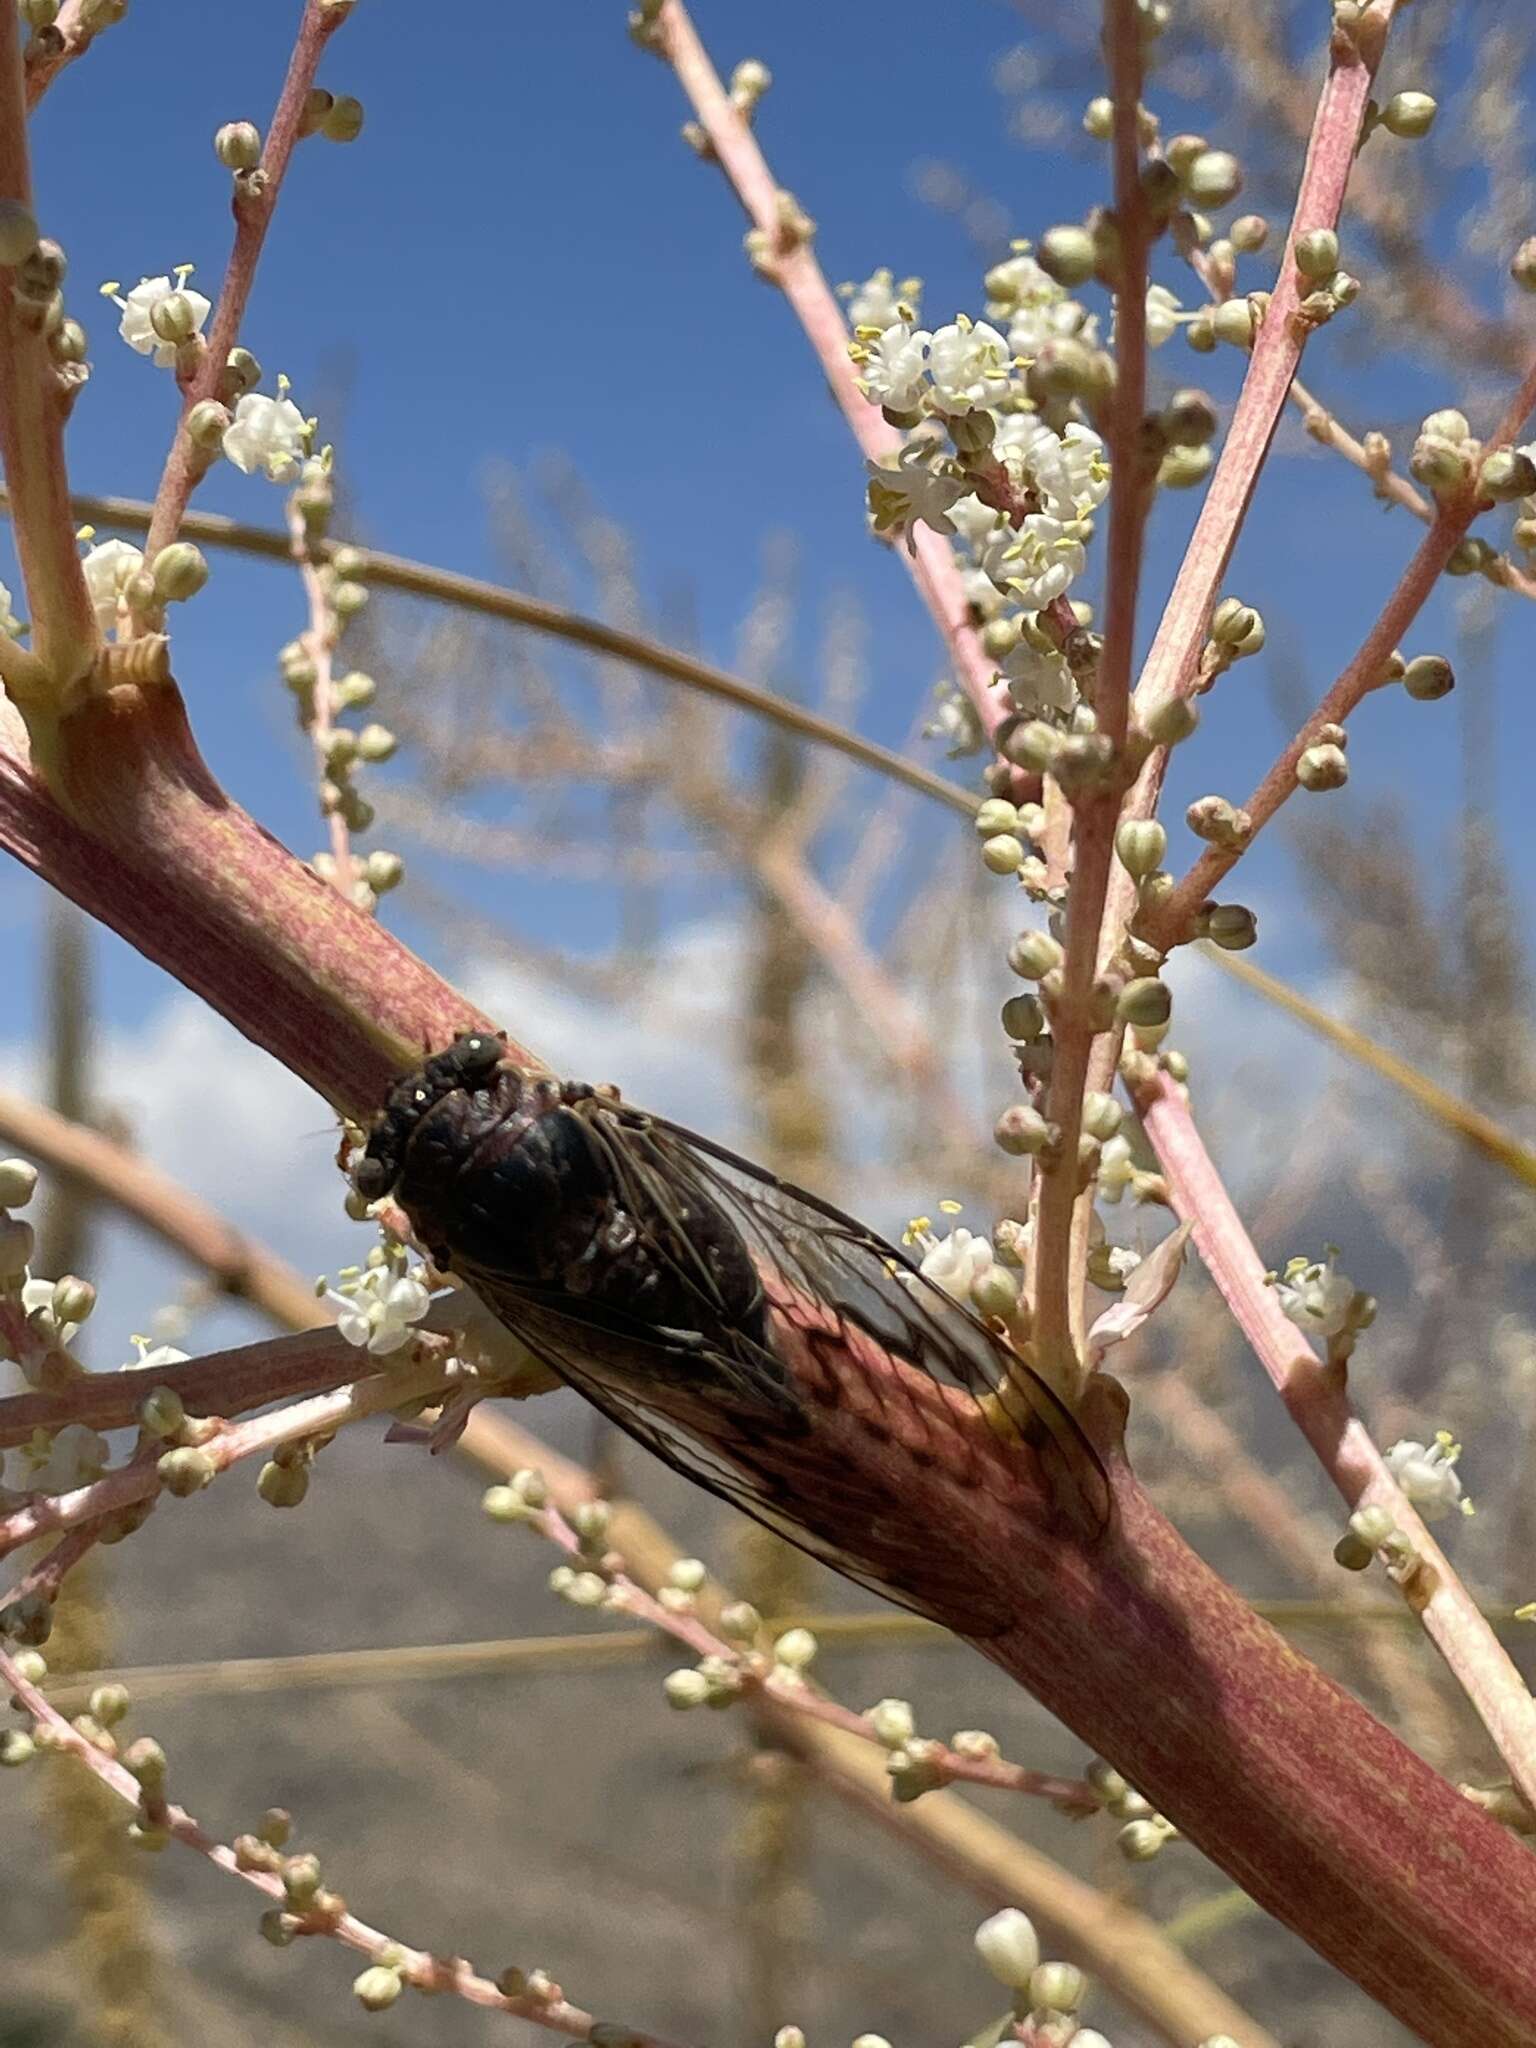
[
  {"x": 795, "y": 269},
  {"x": 1319, "y": 1404},
  {"x": 255, "y": 201},
  {"x": 1062, "y": 1211}
]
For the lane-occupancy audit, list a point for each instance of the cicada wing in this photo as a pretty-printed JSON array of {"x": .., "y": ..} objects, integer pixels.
[
  {"x": 634, "y": 1380},
  {"x": 873, "y": 1286}
]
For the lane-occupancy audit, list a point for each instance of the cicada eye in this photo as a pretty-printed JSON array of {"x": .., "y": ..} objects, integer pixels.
[{"x": 477, "y": 1056}]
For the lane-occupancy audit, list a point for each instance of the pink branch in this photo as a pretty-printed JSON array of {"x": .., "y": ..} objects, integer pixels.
[
  {"x": 1171, "y": 666},
  {"x": 1320, "y": 1406},
  {"x": 419, "y": 1967},
  {"x": 795, "y": 270},
  {"x": 255, "y": 202},
  {"x": 1063, "y": 1209}
]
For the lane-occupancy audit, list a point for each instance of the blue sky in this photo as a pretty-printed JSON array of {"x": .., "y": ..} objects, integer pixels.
[{"x": 520, "y": 257}]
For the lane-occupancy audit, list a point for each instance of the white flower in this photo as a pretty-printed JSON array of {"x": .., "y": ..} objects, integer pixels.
[
  {"x": 109, "y": 568},
  {"x": 910, "y": 492},
  {"x": 1317, "y": 1298},
  {"x": 955, "y": 1263},
  {"x": 74, "y": 1456},
  {"x": 135, "y": 326},
  {"x": 1045, "y": 560},
  {"x": 1038, "y": 682},
  {"x": 155, "y": 1355},
  {"x": 894, "y": 367},
  {"x": 1071, "y": 471},
  {"x": 1162, "y": 315},
  {"x": 269, "y": 434},
  {"x": 377, "y": 1309},
  {"x": 970, "y": 365},
  {"x": 1427, "y": 1474},
  {"x": 877, "y": 302}
]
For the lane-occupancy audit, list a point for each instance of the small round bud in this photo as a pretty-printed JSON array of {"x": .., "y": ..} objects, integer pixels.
[
  {"x": 206, "y": 424},
  {"x": 282, "y": 1486},
  {"x": 1506, "y": 474},
  {"x": 1182, "y": 468},
  {"x": 1003, "y": 855},
  {"x": 180, "y": 571},
  {"x": 186, "y": 1471},
  {"x": 1470, "y": 557},
  {"x": 685, "y": 1689},
  {"x": 1447, "y": 425},
  {"x": 1033, "y": 954},
  {"x": 1317, "y": 253},
  {"x": 1522, "y": 265},
  {"x": 18, "y": 232},
  {"x": 1200, "y": 334},
  {"x": 1067, "y": 255},
  {"x": 1138, "y": 1842},
  {"x": 278, "y": 1928},
  {"x": 1218, "y": 822},
  {"x": 237, "y": 145},
  {"x": 344, "y": 119},
  {"x": 995, "y": 1293},
  {"x": 1145, "y": 1001},
  {"x": 740, "y": 1621},
  {"x": 145, "y": 1760},
  {"x": 1024, "y": 1018},
  {"x": 1233, "y": 623},
  {"x": 376, "y": 1988},
  {"x": 172, "y": 318},
  {"x": 1057, "y": 1987},
  {"x": 1232, "y": 322},
  {"x": 1429, "y": 676},
  {"x": 383, "y": 871},
  {"x": 242, "y": 373},
  {"x": 892, "y": 1722},
  {"x": 301, "y": 1878},
  {"x": 996, "y": 815},
  {"x": 354, "y": 689},
  {"x": 688, "y": 1573},
  {"x": 1409, "y": 114},
  {"x": 1020, "y": 1131},
  {"x": 376, "y": 743},
  {"x": 505, "y": 1504},
  {"x": 18, "y": 1183},
  {"x": 1141, "y": 844},
  {"x": 1213, "y": 178},
  {"x": 1325, "y": 767},
  {"x": 1234, "y": 928},
  {"x": 1099, "y": 118},
  {"x": 1102, "y": 1115},
  {"x": 108, "y": 1704},
  {"x": 1248, "y": 233},
  {"x": 1172, "y": 722},
  {"x": 347, "y": 599},
  {"x": 1009, "y": 1946},
  {"x": 796, "y": 1648},
  {"x": 317, "y": 104},
  {"x": 1189, "y": 419}
]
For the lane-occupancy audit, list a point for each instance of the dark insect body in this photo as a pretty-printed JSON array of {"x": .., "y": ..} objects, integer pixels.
[{"x": 757, "y": 1339}]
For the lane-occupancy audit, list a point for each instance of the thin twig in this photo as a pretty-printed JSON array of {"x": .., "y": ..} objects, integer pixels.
[{"x": 1320, "y": 1406}]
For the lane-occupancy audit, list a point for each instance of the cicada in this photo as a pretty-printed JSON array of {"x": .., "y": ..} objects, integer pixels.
[{"x": 758, "y": 1340}]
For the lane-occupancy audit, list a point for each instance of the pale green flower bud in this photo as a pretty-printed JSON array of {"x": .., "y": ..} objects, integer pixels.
[
  {"x": 1067, "y": 255},
  {"x": 1182, "y": 468},
  {"x": 376, "y": 1988},
  {"x": 1189, "y": 419},
  {"x": 1009, "y": 1946},
  {"x": 1233, "y": 927},
  {"x": 1248, "y": 233},
  {"x": 1317, "y": 253},
  {"x": 1325, "y": 767},
  {"x": 995, "y": 1293},
  {"x": 1141, "y": 844},
  {"x": 796, "y": 1648},
  {"x": 237, "y": 145},
  {"x": 1214, "y": 178},
  {"x": 18, "y": 1183},
  {"x": 145, "y": 1760},
  {"x": 206, "y": 425},
  {"x": 1099, "y": 118},
  {"x": 383, "y": 871},
  {"x": 162, "y": 1412},
  {"x": 740, "y": 1621},
  {"x": 180, "y": 571},
  {"x": 16, "y": 1748},
  {"x": 1429, "y": 676},
  {"x": 1003, "y": 855},
  {"x": 996, "y": 815},
  {"x": 1172, "y": 722},
  {"x": 1033, "y": 954},
  {"x": 1057, "y": 1987},
  {"x": 1506, "y": 474},
  {"x": 282, "y": 1486},
  {"x": 1145, "y": 1001},
  {"x": 343, "y": 121},
  {"x": 892, "y": 1722},
  {"x": 685, "y": 1689},
  {"x": 1409, "y": 114},
  {"x": 186, "y": 1471},
  {"x": 1024, "y": 1018},
  {"x": 1232, "y": 322},
  {"x": 1102, "y": 1115}
]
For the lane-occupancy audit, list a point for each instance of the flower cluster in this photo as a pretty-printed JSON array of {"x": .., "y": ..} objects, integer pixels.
[{"x": 376, "y": 1304}]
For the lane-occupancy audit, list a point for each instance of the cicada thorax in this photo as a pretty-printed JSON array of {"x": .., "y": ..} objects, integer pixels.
[{"x": 513, "y": 1175}]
